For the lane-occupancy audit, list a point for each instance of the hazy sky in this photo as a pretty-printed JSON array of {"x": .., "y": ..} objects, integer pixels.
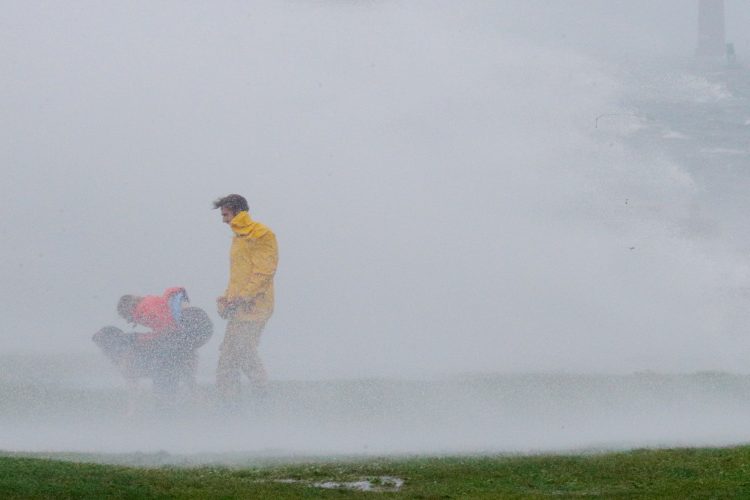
[{"x": 441, "y": 200}]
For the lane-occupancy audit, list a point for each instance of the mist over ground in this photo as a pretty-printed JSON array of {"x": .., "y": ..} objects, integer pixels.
[
  {"x": 483, "y": 187},
  {"x": 442, "y": 199}
]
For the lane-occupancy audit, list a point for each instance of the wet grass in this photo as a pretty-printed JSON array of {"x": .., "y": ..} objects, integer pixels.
[{"x": 673, "y": 473}]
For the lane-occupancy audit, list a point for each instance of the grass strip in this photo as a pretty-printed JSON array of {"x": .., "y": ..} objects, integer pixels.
[{"x": 672, "y": 473}]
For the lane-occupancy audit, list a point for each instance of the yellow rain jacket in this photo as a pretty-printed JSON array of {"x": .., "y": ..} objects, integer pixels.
[{"x": 253, "y": 259}]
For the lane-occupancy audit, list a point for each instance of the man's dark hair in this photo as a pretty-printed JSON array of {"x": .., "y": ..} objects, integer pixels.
[{"x": 233, "y": 202}]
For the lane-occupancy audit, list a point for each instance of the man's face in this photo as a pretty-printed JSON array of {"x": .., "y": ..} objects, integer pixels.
[{"x": 226, "y": 215}]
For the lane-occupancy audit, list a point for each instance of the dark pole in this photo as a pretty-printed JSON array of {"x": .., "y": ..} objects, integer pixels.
[{"x": 711, "y": 36}]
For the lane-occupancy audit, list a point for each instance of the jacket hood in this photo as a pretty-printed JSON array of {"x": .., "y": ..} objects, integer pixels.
[{"x": 243, "y": 225}]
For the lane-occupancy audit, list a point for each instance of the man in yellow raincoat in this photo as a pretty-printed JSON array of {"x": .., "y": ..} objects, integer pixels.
[{"x": 248, "y": 300}]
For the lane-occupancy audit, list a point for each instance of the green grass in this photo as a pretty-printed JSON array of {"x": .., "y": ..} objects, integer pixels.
[{"x": 676, "y": 473}]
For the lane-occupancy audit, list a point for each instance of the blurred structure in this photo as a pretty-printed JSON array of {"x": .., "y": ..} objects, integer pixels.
[{"x": 711, "y": 33}]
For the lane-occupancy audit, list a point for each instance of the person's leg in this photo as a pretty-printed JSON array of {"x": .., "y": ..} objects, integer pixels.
[
  {"x": 190, "y": 371},
  {"x": 166, "y": 377},
  {"x": 228, "y": 370},
  {"x": 251, "y": 363}
]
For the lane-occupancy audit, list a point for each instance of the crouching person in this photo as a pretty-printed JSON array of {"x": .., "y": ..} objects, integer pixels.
[{"x": 167, "y": 353}]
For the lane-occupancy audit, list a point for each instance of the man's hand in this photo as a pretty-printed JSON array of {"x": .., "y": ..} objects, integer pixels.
[
  {"x": 228, "y": 307},
  {"x": 222, "y": 306}
]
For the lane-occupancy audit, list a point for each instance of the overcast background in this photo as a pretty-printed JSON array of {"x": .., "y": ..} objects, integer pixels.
[{"x": 442, "y": 199}]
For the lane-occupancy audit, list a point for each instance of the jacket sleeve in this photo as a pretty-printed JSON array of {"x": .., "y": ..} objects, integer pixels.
[
  {"x": 263, "y": 260},
  {"x": 175, "y": 296}
]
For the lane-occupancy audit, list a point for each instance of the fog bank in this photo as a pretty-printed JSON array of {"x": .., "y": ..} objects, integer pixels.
[{"x": 445, "y": 196}]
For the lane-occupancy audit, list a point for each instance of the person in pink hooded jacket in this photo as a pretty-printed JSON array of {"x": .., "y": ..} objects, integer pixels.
[
  {"x": 168, "y": 352},
  {"x": 160, "y": 313}
]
